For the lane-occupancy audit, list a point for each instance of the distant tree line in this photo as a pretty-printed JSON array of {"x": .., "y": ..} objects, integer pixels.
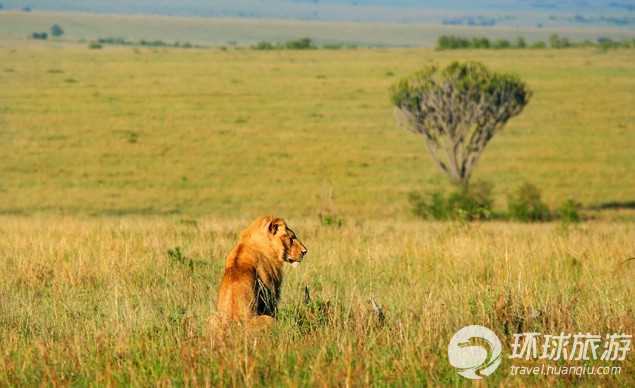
[
  {"x": 39, "y": 35},
  {"x": 452, "y": 42},
  {"x": 623, "y": 21},
  {"x": 155, "y": 43},
  {"x": 297, "y": 44},
  {"x": 470, "y": 21},
  {"x": 55, "y": 30},
  {"x": 487, "y": 22}
]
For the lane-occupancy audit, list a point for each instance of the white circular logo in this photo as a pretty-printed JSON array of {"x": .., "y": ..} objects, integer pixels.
[{"x": 475, "y": 358}]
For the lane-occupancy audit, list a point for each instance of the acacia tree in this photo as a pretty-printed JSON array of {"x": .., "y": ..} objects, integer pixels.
[
  {"x": 57, "y": 31},
  {"x": 458, "y": 110}
]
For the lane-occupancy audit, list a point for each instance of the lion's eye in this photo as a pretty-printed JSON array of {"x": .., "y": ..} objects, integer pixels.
[{"x": 291, "y": 240}]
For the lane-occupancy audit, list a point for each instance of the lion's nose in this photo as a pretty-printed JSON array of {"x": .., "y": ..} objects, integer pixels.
[{"x": 304, "y": 251}]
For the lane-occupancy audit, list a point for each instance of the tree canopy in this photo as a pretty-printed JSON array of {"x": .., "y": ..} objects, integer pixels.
[{"x": 56, "y": 30}]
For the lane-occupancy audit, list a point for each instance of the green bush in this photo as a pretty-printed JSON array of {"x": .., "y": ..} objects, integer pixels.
[
  {"x": 39, "y": 35},
  {"x": 470, "y": 204},
  {"x": 300, "y": 44},
  {"x": 480, "y": 43},
  {"x": 568, "y": 211},
  {"x": 177, "y": 257},
  {"x": 539, "y": 45},
  {"x": 331, "y": 220},
  {"x": 606, "y": 44},
  {"x": 501, "y": 44},
  {"x": 263, "y": 46},
  {"x": 525, "y": 204},
  {"x": 451, "y": 42},
  {"x": 433, "y": 209},
  {"x": 558, "y": 42},
  {"x": 57, "y": 31},
  {"x": 520, "y": 42}
]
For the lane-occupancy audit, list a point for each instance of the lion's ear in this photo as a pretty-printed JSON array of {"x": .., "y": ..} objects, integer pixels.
[{"x": 275, "y": 225}]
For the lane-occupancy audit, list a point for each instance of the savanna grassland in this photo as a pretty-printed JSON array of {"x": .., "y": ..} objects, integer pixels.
[
  {"x": 127, "y": 174},
  {"x": 130, "y": 131},
  {"x": 103, "y": 301}
]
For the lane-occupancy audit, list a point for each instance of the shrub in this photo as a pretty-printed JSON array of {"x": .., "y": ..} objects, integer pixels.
[
  {"x": 300, "y": 44},
  {"x": 539, "y": 45},
  {"x": 525, "y": 204},
  {"x": 606, "y": 44},
  {"x": 263, "y": 46},
  {"x": 177, "y": 257},
  {"x": 480, "y": 43},
  {"x": 568, "y": 211},
  {"x": 39, "y": 35},
  {"x": 501, "y": 44},
  {"x": 57, "y": 31},
  {"x": 473, "y": 203},
  {"x": 451, "y": 42},
  {"x": 331, "y": 220},
  {"x": 558, "y": 42},
  {"x": 434, "y": 209},
  {"x": 520, "y": 42}
]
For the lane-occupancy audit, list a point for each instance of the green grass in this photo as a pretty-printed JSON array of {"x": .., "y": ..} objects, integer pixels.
[
  {"x": 114, "y": 158},
  {"x": 243, "y": 132}
]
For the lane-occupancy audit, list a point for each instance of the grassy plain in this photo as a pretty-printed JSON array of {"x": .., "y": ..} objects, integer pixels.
[
  {"x": 128, "y": 131},
  {"x": 112, "y": 157},
  {"x": 99, "y": 301}
]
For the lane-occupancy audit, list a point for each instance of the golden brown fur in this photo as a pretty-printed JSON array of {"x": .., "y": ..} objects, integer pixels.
[{"x": 250, "y": 288}]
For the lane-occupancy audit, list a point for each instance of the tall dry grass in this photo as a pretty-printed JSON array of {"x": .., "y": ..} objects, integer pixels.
[
  {"x": 102, "y": 302},
  {"x": 91, "y": 294}
]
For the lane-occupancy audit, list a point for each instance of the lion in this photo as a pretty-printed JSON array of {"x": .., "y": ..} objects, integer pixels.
[{"x": 250, "y": 287}]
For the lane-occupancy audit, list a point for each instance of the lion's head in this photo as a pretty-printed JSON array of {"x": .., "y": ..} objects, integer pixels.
[
  {"x": 293, "y": 250},
  {"x": 271, "y": 236}
]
